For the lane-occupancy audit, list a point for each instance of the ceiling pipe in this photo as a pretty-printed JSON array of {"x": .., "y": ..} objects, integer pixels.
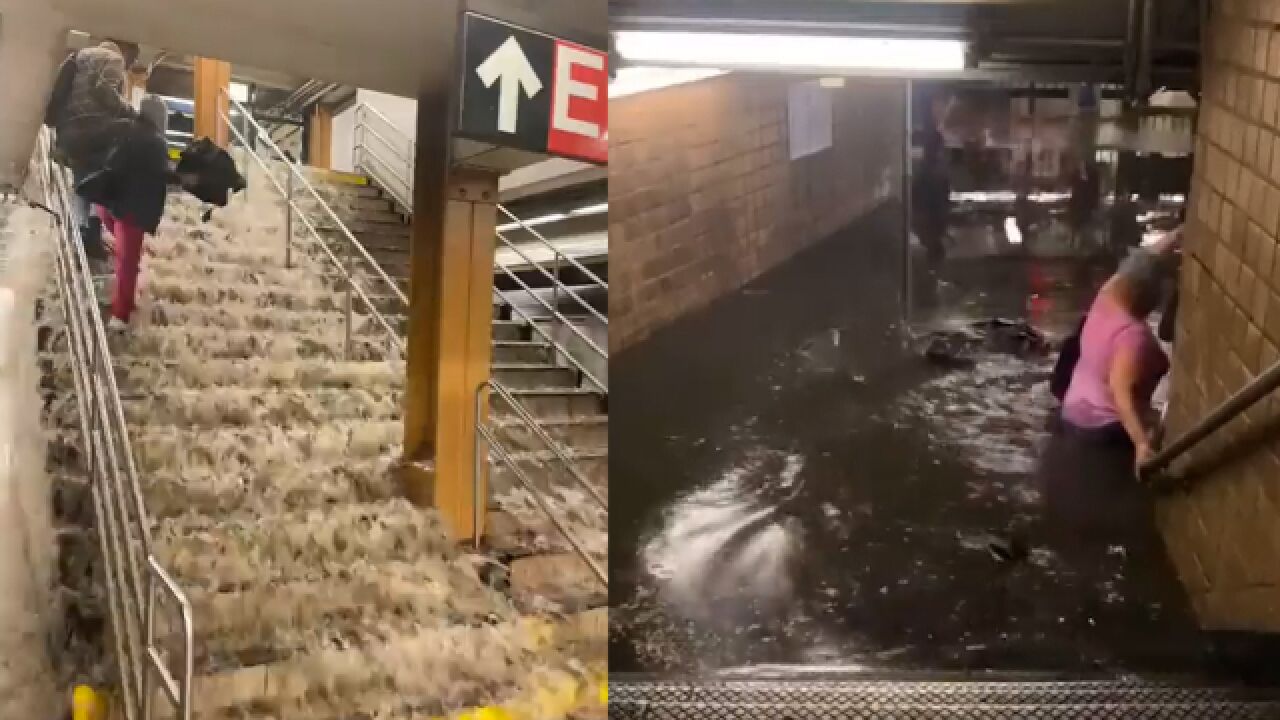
[
  {"x": 1147, "y": 50},
  {"x": 1131, "y": 34}
]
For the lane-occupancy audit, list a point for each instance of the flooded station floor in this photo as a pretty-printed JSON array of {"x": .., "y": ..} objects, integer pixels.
[{"x": 804, "y": 490}]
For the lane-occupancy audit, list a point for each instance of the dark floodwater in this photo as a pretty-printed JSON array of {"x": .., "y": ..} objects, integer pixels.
[{"x": 793, "y": 485}]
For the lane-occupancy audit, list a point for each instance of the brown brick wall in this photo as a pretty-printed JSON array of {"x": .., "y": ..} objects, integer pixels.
[
  {"x": 703, "y": 195},
  {"x": 1223, "y": 533}
]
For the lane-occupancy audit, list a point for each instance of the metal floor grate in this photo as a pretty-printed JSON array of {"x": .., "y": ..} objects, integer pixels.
[{"x": 887, "y": 700}]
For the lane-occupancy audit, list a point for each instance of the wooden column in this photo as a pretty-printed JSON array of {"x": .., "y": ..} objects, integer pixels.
[
  {"x": 450, "y": 339},
  {"x": 212, "y": 82},
  {"x": 451, "y": 308},
  {"x": 320, "y": 141}
]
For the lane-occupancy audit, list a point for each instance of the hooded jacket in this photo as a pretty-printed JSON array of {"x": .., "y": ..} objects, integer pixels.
[{"x": 96, "y": 113}]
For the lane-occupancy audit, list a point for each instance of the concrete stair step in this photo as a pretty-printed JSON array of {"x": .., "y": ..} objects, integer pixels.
[
  {"x": 530, "y": 375},
  {"x": 546, "y": 470},
  {"x": 245, "y": 549},
  {"x": 192, "y": 371},
  {"x": 553, "y": 403},
  {"x": 214, "y": 407},
  {"x": 383, "y": 231},
  {"x": 219, "y": 273},
  {"x": 345, "y": 190},
  {"x": 174, "y": 290},
  {"x": 263, "y": 490},
  {"x": 561, "y": 578},
  {"x": 428, "y": 672},
  {"x": 590, "y": 431},
  {"x": 209, "y": 343},
  {"x": 358, "y": 601},
  {"x": 159, "y": 447},
  {"x": 249, "y": 318},
  {"x": 383, "y": 236},
  {"x": 511, "y": 330},
  {"x": 520, "y": 351},
  {"x": 517, "y": 526},
  {"x": 345, "y": 203},
  {"x": 362, "y": 218}
]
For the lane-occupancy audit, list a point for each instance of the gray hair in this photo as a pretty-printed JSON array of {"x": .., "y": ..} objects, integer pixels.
[{"x": 1143, "y": 274}]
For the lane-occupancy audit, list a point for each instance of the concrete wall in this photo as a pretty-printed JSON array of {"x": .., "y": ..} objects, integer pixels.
[
  {"x": 401, "y": 111},
  {"x": 28, "y": 548},
  {"x": 1223, "y": 533},
  {"x": 343, "y": 147},
  {"x": 545, "y": 176},
  {"x": 33, "y": 43},
  {"x": 704, "y": 196}
]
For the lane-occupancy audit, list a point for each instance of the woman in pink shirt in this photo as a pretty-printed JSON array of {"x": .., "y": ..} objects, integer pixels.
[{"x": 1121, "y": 361}]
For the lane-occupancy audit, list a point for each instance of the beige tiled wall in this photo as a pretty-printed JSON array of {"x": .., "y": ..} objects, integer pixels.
[
  {"x": 703, "y": 195},
  {"x": 1223, "y": 533}
]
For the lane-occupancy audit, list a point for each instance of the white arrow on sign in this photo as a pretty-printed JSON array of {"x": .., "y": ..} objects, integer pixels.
[{"x": 509, "y": 66}]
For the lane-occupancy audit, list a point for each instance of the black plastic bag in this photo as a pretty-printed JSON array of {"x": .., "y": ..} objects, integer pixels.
[
  {"x": 215, "y": 173},
  {"x": 1065, "y": 367}
]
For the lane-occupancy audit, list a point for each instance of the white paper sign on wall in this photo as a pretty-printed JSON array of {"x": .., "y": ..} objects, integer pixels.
[{"x": 809, "y": 118}]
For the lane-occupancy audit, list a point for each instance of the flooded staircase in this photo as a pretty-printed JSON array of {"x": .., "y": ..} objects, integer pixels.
[
  {"x": 266, "y": 440},
  {"x": 536, "y": 379}
]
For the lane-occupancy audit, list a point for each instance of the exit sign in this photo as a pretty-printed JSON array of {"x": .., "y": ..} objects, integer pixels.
[{"x": 533, "y": 91}]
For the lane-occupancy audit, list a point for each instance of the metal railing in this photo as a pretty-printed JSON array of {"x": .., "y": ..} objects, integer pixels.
[
  {"x": 353, "y": 251},
  {"x": 389, "y": 160},
  {"x": 294, "y": 176},
  {"x": 134, "y": 578},
  {"x": 486, "y": 437},
  {"x": 1239, "y": 402}
]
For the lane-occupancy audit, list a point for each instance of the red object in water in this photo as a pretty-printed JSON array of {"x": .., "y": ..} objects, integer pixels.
[{"x": 1038, "y": 305}]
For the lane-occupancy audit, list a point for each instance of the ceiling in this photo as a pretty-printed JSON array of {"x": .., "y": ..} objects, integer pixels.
[
  {"x": 395, "y": 46},
  {"x": 1063, "y": 40}
]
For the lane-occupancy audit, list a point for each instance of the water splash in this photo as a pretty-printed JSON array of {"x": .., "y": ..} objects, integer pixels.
[{"x": 731, "y": 544}]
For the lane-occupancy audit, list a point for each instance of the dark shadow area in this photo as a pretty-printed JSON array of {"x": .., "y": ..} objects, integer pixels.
[{"x": 801, "y": 488}]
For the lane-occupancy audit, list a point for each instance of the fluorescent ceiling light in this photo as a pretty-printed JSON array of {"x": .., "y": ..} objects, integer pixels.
[
  {"x": 239, "y": 92},
  {"x": 591, "y": 210},
  {"x": 802, "y": 52},
  {"x": 543, "y": 220},
  {"x": 635, "y": 80},
  {"x": 596, "y": 209}
]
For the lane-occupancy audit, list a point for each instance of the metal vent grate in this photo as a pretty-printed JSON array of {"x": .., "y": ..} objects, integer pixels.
[{"x": 863, "y": 700}]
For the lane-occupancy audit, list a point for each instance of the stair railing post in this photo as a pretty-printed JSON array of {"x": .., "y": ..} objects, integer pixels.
[
  {"x": 288, "y": 219},
  {"x": 351, "y": 270},
  {"x": 555, "y": 301}
]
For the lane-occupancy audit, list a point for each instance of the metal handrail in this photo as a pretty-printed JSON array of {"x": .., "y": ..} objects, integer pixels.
[
  {"x": 123, "y": 524},
  {"x": 346, "y": 270},
  {"x": 390, "y": 180},
  {"x": 595, "y": 279},
  {"x": 552, "y": 342},
  {"x": 295, "y": 171},
  {"x": 1244, "y": 398},
  {"x": 568, "y": 290},
  {"x": 485, "y": 433},
  {"x": 529, "y": 421},
  {"x": 551, "y": 309},
  {"x": 407, "y": 182}
]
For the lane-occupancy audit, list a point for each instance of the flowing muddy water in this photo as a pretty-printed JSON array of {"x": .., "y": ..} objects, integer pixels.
[{"x": 804, "y": 490}]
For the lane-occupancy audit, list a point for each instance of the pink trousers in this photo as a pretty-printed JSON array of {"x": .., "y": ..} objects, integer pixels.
[{"x": 129, "y": 238}]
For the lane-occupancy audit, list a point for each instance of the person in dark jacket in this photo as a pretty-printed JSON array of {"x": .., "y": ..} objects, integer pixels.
[
  {"x": 129, "y": 191},
  {"x": 931, "y": 197},
  {"x": 94, "y": 114}
]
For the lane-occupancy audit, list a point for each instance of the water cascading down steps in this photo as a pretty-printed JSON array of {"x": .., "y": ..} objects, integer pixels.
[{"x": 267, "y": 463}]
